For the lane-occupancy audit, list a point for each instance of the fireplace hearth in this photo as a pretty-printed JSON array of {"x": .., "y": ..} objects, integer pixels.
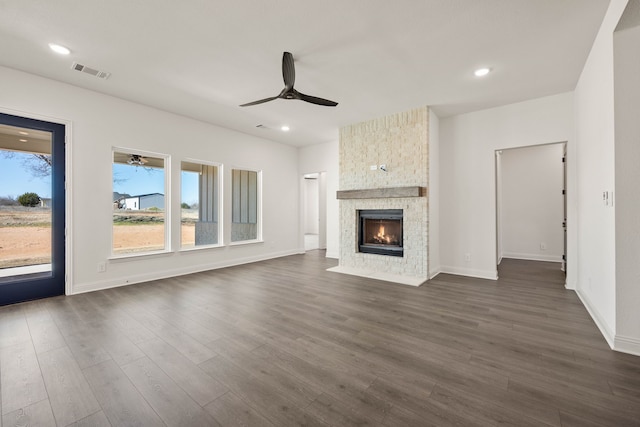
[{"x": 380, "y": 232}]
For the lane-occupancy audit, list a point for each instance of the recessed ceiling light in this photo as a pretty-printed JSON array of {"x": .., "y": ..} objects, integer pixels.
[
  {"x": 23, "y": 140},
  {"x": 21, "y": 132},
  {"x": 57, "y": 48},
  {"x": 481, "y": 72},
  {"x": 285, "y": 128}
]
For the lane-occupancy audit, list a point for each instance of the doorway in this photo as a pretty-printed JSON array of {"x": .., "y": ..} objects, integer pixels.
[
  {"x": 314, "y": 211},
  {"x": 530, "y": 203},
  {"x": 32, "y": 209}
]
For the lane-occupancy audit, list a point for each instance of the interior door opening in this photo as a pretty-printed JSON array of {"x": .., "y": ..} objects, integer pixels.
[
  {"x": 530, "y": 203},
  {"x": 314, "y": 211}
]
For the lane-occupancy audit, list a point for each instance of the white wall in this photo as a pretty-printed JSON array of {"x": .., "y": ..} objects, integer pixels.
[
  {"x": 324, "y": 158},
  {"x": 433, "y": 191},
  {"x": 593, "y": 151},
  {"x": 532, "y": 204},
  {"x": 100, "y": 122},
  {"x": 627, "y": 192},
  {"x": 467, "y": 174}
]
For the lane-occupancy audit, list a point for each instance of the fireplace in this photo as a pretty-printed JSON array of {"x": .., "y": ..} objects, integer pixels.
[{"x": 380, "y": 232}]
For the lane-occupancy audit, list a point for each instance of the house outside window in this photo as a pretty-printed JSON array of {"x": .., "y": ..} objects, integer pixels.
[{"x": 245, "y": 210}]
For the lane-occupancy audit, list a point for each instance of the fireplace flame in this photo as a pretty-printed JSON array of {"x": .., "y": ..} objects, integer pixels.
[{"x": 382, "y": 237}]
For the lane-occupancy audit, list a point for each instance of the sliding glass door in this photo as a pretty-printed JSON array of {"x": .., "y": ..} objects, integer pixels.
[{"x": 32, "y": 209}]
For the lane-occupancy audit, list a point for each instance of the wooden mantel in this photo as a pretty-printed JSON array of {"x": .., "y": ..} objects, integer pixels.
[{"x": 382, "y": 193}]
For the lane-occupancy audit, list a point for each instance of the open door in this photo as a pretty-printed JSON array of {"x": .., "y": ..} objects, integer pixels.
[{"x": 32, "y": 209}]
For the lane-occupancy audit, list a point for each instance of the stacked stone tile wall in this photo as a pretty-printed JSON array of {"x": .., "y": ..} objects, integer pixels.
[{"x": 400, "y": 142}]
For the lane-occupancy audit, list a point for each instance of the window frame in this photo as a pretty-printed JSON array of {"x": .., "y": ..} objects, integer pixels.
[
  {"x": 259, "y": 180},
  {"x": 167, "y": 204},
  {"x": 221, "y": 195}
]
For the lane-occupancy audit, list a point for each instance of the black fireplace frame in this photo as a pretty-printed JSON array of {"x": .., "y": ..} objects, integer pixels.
[{"x": 392, "y": 214}]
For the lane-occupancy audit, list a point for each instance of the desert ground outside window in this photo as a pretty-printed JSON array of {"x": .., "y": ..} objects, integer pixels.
[
  {"x": 139, "y": 203},
  {"x": 245, "y": 209},
  {"x": 200, "y": 204}
]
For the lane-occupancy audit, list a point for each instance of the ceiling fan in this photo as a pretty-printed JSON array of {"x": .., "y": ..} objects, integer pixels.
[
  {"x": 136, "y": 160},
  {"x": 289, "y": 76}
]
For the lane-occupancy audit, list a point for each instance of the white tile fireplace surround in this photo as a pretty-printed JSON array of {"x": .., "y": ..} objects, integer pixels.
[{"x": 400, "y": 143}]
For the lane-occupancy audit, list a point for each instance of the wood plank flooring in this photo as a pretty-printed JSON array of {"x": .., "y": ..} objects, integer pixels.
[{"x": 284, "y": 342}]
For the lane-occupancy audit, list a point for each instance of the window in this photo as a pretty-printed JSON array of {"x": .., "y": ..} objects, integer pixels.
[
  {"x": 139, "y": 188},
  {"x": 25, "y": 202},
  {"x": 200, "y": 195},
  {"x": 245, "y": 214}
]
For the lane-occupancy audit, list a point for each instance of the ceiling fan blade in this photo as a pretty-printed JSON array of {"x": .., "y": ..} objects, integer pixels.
[
  {"x": 316, "y": 100},
  {"x": 259, "y": 101},
  {"x": 288, "y": 70}
]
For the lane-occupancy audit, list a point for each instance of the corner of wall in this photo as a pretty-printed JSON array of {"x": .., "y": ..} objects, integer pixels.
[
  {"x": 626, "y": 345},
  {"x": 606, "y": 331}
]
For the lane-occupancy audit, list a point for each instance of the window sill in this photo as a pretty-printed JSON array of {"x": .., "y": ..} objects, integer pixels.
[
  {"x": 125, "y": 257},
  {"x": 201, "y": 247},
  {"x": 246, "y": 242}
]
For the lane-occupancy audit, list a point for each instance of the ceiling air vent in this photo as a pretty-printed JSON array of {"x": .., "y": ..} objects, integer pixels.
[{"x": 91, "y": 71}]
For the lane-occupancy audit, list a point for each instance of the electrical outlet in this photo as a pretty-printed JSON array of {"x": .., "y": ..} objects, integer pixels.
[
  {"x": 543, "y": 246},
  {"x": 102, "y": 267},
  {"x": 467, "y": 257}
]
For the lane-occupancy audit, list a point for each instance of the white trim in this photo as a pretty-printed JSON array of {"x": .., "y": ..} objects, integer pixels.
[
  {"x": 146, "y": 277},
  {"x": 68, "y": 205},
  {"x": 166, "y": 169},
  {"x": 245, "y": 242},
  {"x": 25, "y": 269},
  {"x": 259, "y": 237},
  {"x": 480, "y": 274},
  {"x": 141, "y": 254},
  {"x": 627, "y": 345},
  {"x": 599, "y": 321},
  {"x": 532, "y": 257},
  {"x": 200, "y": 247},
  {"x": 220, "y": 203},
  {"x": 434, "y": 273}
]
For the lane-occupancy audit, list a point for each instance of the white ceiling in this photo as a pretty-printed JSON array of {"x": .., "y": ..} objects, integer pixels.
[{"x": 202, "y": 58}]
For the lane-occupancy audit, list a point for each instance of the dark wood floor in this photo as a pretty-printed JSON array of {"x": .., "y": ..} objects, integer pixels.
[{"x": 284, "y": 342}]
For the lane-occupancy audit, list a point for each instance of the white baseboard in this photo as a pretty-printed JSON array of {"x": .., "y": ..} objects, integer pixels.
[
  {"x": 147, "y": 277},
  {"x": 619, "y": 343},
  {"x": 533, "y": 257},
  {"x": 434, "y": 272},
  {"x": 461, "y": 271},
  {"x": 627, "y": 345},
  {"x": 606, "y": 332}
]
